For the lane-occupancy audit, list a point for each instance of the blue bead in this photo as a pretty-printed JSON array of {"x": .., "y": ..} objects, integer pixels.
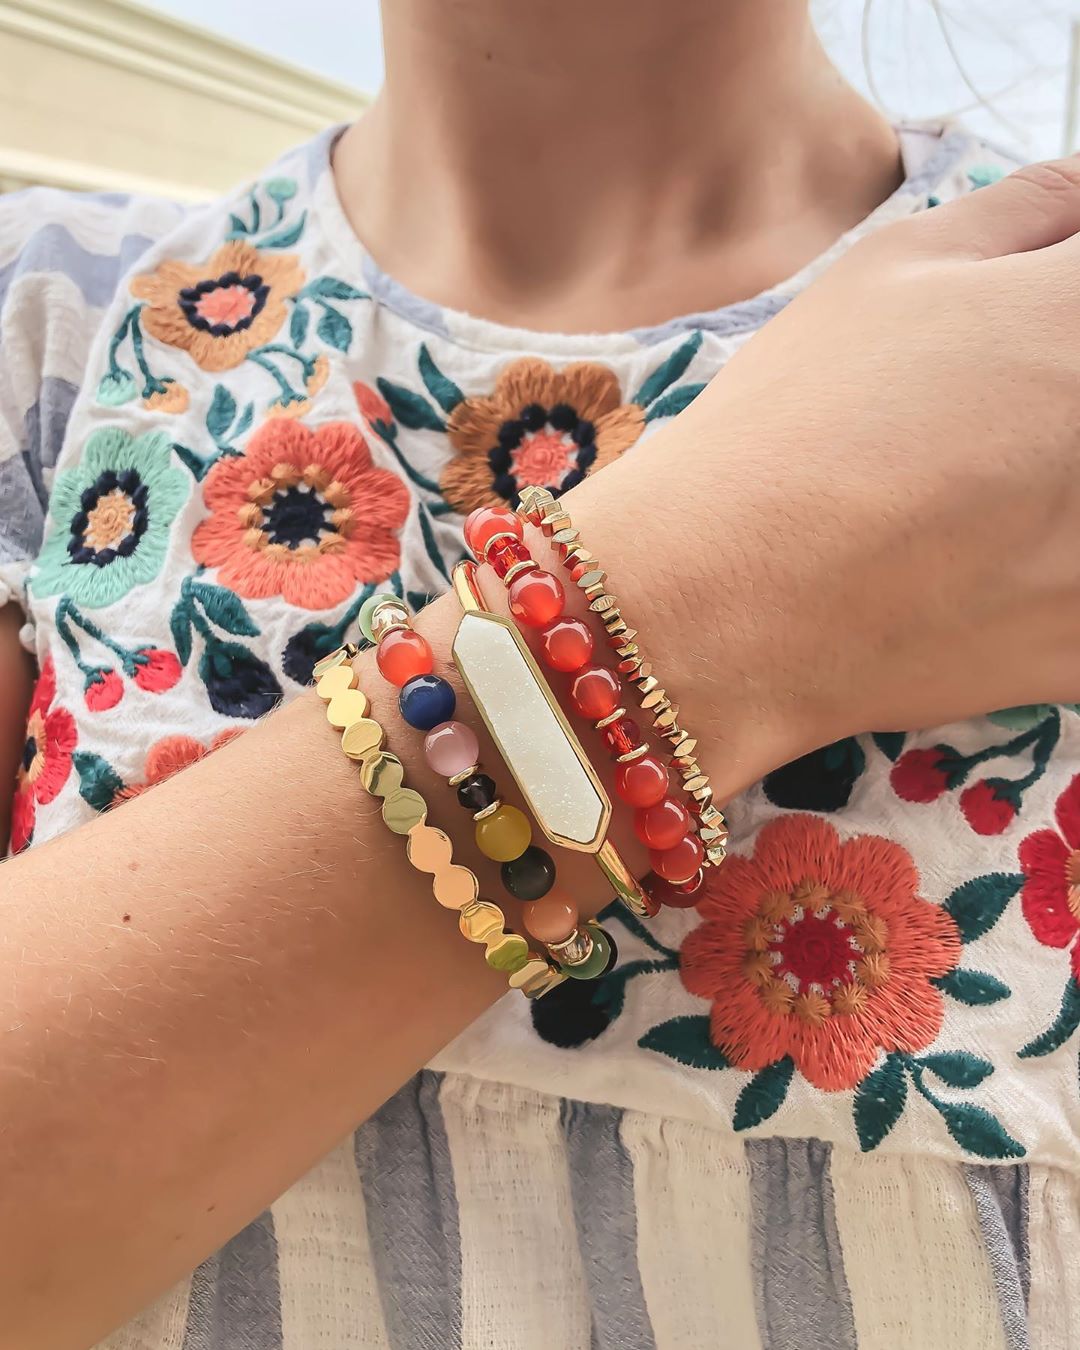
[{"x": 425, "y": 701}]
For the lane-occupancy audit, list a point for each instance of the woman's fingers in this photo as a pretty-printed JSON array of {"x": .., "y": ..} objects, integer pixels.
[{"x": 1033, "y": 208}]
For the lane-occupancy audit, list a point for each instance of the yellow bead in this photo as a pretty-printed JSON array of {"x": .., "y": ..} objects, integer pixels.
[{"x": 504, "y": 835}]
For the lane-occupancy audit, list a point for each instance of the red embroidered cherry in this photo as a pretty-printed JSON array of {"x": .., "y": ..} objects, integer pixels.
[
  {"x": 156, "y": 670},
  {"x": 104, "y": 690},
  {"x": 988, "y": 806}
]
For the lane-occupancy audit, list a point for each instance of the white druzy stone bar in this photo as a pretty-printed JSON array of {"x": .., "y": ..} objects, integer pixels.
[{"x": 540, "y": 748}]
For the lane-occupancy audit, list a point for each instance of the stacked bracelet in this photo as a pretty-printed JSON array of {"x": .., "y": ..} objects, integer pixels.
[
  {"x": 503, "y": 833},
  {"x": 404, "y": 811}
]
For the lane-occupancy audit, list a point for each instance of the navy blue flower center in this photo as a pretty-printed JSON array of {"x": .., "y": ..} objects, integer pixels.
[
  {"x": 296, "y": 517},
  {"x": 225, "y": 304},
  {"x": 29, "y": 753},
  {"x": 542, "y": 442},
  {"x": 111, "y": 519}
]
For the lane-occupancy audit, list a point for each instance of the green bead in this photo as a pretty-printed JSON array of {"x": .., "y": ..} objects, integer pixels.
[
  {"x": 598, "y": 958},
  {"x": 368, "y": 608}
]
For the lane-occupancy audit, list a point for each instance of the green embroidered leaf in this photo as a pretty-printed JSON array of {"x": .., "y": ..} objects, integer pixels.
[
  {"x": 666, "y": 374},
  {"x": 298, "y": 324},
  {"x": 672, "y": 404},
  {"x": 976, "y": 1130},
  {"x": 1062, "y": 1027},
  {"x": 246, "y": 418},
  {"x": 236, "y": 225},
  {"x": 330, "y": 288},
  {"x": 98, "y": 780},
  {"x": 958, "y": 1068},
  {"x": 890, "y": 743},
  {"x": 686, "y": 1039},
  {"x": 334, "y": 328},
  {"x": 429, "y": 542},
  {"x": 222, "y": 411},
  {"x": 285, "y": 238},
  {"x": 180, "y": 627},
  {"x": 879, "y": 1102},
  {"x": 410, "y": 409},
  {"x": 224, "y": 609},
  {"x": 197, "y": 465},
  {"x": 764, "y": 1095},
  {"x": 444, "y": 391},
  {"x": 973, "y": 987},
  {"x": 978, "y": 904}
]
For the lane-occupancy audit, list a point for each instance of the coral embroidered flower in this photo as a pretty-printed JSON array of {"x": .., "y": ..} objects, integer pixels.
[
  {"x": 220, "y": 310},
  {"x": 1050, "y": 862},
  {"x": 540, "y": 428},
  {"x": 169, "y": 756},
  {"x": 111, "y": 516},
  {"x": 819, "y": 950},
  {"x": 46, "y": 758},
  {"x": 303, "y": 513}
]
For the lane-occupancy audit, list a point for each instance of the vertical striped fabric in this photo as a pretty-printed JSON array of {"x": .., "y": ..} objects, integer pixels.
[{"x": 470, "y": 1215}]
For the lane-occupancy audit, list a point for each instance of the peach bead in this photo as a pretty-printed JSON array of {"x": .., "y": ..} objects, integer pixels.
[
  {"x": 552, "y": 918},
  {"x": 402, "y": 655}
]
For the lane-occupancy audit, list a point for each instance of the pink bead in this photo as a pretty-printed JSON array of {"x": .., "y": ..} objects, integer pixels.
[
  {"x": 451, "y": 748},
  {"x": 553, "y": 918}
]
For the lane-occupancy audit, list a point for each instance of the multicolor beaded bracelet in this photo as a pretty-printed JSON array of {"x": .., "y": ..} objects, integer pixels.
[
  {"x": 503, "y": 833},
  {"x": 537, "y": 600},
  {"x": 428, "y": 849},
  {"x": 536, "y": 742}
]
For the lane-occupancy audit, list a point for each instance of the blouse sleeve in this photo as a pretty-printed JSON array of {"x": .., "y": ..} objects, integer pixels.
[{"x": 62, "y": 256}]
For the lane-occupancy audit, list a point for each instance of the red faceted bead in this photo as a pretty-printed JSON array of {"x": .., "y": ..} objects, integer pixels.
[
  {"x": 663, "y": 825},
  {"x": 504, "y": 553},
  {"x": 682, "y": 896},
  {"x": 623, "y": 736},
  {"x": 566, "y": 644},
  {"x": 486, "y": 521},
  {"x": 678, "y": 864},
  {"x": 536, "y": 598},
  {"x": 403, "y": 654},
  {"x": 642, "y": 782},
  {"x": 595, "y": 692}
]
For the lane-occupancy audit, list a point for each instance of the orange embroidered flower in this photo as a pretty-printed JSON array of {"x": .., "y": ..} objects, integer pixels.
[
  {"x": 820, "y": 950},
  {"x": 169, "y": 397},
  {"x": 220, "y": 310},
  {"x": 540, "y": 427},
  {"x": 46, "y": 758},
  {"x": 170, "y": 755},
  {"x": 303, "y": 513}
]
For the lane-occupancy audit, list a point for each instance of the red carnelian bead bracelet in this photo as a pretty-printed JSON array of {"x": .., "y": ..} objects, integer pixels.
[
  {"x": 537, "y": 599},
  {"x": 503, "y": 832}
]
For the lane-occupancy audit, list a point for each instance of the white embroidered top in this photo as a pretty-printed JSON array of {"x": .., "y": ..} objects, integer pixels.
[{"x": 869, "y": 1140}]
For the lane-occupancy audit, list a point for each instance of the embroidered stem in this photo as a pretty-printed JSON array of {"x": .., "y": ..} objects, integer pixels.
[
  {"x": 634, "y": 925},
  {"x": 153, "y": 385},
  {"x": 69, "y": 639},
  {"x": 308, "y": 363},
  {"x": 389, "y": 439},
  {"x": 290, "y": 394},
  {"x": 1049, "y": 732},
  {"x": 76, "y": 616},
  {"x": 117, "y": 338}
]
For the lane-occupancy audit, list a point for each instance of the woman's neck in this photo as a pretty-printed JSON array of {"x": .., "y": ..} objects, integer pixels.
[{"x": 601, "y": 164}]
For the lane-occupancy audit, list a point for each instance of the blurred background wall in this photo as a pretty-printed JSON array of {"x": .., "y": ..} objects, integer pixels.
[{"x": 184, "y": 97}]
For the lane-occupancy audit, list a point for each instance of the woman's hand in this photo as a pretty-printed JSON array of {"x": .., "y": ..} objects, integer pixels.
[{"x": 868, "y": 521}]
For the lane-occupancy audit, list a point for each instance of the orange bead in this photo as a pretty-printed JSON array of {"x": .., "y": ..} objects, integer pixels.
[
  {"x": 536, "y": 598},
  {"x": 403, "y": 654},
  {"x": 662, "y": 825},
  {"x": 566, "y": 644},
  {"x": 553, "y": 918},
  {"x": 642, "y": 782},
  {"x": 486, "y": 522},
  {"x": 679, "y": 864},
  {"x": 595, "y": 692}
]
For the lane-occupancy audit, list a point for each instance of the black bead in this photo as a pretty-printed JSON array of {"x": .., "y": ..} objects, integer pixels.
[
  {"x": 530, "y": 876},
  {"x": 476, "y": 792}
]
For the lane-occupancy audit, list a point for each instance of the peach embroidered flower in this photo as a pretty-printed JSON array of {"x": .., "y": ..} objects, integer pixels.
[
  {"x": 170, "y": 755},
  {"x": 820, "y": 950},
  {"x": 220, "y": 310},
  {"x": 46, "y": 759},
  {"x": 303, "y": 513},
  {"x": 540, "y": 427}
]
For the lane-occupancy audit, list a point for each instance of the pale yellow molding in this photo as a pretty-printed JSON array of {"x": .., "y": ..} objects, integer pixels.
[{"x": 107, "y": 94}]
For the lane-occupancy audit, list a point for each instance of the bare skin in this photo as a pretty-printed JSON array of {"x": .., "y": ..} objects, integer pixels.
[{"x": 190, "y": 985}]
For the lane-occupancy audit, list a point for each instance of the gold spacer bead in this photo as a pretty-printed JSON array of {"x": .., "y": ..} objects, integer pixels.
[
  {"x": 573, "y": 556},
  {"x": 712, "y": 815},
  {"x": 715, "y": 855},
  {"x": 525, "y": 565},
  {"x": 593, "y": 577},
  {"x": 465, "y": 773},
  {"x": 691, "y": 785},
  {"x": 702, "y": 795},
  {"x": 565, "y": 538},
  {"x": 615, "y": 625},
  {"x": 611, "y": 717},
  {"x": 644, "y": 672},
  {"x": 649, "y": 687},
  {"x": 503, "y": 534},
  {"x": 555, "y": 521},
  {"x": 603, "y": 604},
  {"x": 593, "y": 592},
  {"x": 636, "y": 753},
  {"x": 626, "y": 650},
  {"x": 685, "y": 745},
  {"x": 689, "y": 768},
  {"x": 667, "y": 718},
  {"x": 488, "y": 810}
]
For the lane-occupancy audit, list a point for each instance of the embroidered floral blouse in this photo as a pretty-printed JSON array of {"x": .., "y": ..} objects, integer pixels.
[{"x": 836, "y": 1105}]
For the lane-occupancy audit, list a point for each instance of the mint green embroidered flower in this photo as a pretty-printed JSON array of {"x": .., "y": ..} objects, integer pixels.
[
  {"x": 280, "y": 189},
  {"x": 110, "y": 518},
  {"x": 1027, "y": 716},
  {"x": 116, "y": 387}
]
